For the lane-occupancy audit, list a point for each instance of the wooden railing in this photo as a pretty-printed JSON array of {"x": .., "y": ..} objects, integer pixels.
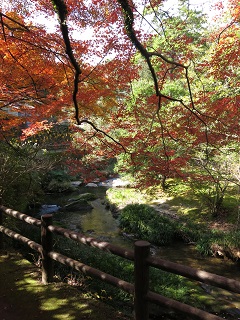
[{"x": 140, "y": 256}]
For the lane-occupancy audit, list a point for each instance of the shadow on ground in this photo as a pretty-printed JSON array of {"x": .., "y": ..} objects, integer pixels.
[{"x": 22, "y": 296}]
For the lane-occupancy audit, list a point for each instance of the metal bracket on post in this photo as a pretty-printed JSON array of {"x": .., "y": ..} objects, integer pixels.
[
  {"x": 141, "y": 268},
  {"x": 47, "y": 245}
]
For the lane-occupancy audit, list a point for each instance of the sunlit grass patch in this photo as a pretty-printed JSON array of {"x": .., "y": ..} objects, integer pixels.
[
  {"x": 123, "y": 196},
  {"x": 53, "y": 303}
]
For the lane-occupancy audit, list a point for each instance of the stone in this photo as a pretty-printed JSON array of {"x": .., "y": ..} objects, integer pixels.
[
  {"x": 115, "y": 182},
  {"x": 48, "y": 208},
  {"x": 78, "y": 205},
  {"x": 92, "y": 185},
  {"x": 76, "y": 183}
]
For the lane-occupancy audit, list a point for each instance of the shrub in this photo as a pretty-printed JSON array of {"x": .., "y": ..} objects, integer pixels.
[
  {"x": 204, "y": 244},
  {"x": 134, "y": 216},
  {"x": 145, "y": 223},
  {"x": 226, "y": 242},
  {"x": 189, "y": 232}
]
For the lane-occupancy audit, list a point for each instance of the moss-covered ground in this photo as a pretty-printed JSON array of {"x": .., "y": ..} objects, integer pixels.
[{"x": 23, "y": 296}]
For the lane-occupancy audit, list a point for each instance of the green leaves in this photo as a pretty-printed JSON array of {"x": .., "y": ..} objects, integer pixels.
[{"x": 147, "y": 224}]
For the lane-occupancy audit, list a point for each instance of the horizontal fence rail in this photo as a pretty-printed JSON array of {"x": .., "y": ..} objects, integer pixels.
[
  {"x": 19, "y": 237},
  {"x": 140, "y": 256},
  {"x": 124, "y": 285},
  {"x": 104, "y": 246},
  {"x": 195, "y": 274}
]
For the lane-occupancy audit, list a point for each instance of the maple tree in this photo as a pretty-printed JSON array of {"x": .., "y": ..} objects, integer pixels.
[
  {"x": 150, "y": 86},
  {"x": 30, "y": 86},
  {"x": 190, "y": 115}
]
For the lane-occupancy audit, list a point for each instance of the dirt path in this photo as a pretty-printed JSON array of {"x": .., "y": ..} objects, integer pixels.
[
  {"x": 7, "y": 311},
  {"x": 22, "y": 296}
]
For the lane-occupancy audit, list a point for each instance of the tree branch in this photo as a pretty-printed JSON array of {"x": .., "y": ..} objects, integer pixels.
[
  {"x": 128, "y": 21},
  {"x": 13, "y": 20},
  {"x": 61, "y": 10},
  {"x": 103, "y": 132}
]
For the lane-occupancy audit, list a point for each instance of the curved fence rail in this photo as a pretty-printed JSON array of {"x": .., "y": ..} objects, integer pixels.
[{"x": 140, "y": 257}]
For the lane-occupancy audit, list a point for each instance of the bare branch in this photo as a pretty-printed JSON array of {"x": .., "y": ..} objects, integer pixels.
[
  {"x": 129, "y": 20},
  {"x": 103, "y": 132},
  {"x": 158, "y": 54},
  {"x": 61, "y": 9},
  {"x": 13, "y": 20},
  {"x": 228, "y": 26}
]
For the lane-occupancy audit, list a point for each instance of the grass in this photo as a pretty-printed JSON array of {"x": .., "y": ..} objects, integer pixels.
[
  {"x": 195, "y": 224},
  {"x": 141, "y": 219},
  {"x": 191, "y": 203},
  {"x": 123, "y": 196},
  {"x": 22, "y": 295}
]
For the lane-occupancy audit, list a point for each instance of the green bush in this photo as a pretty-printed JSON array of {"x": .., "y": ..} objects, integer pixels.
[
  {"x": 56, "y": 181},
  {"x": 189, "y": 232},
  {"x": 214, "y": 239},
  {"x": 145, "y": 223},
  {"x": 232, "y": 239},
  {"x": 133, "y": 214},
  {"x": 204, "y": 244}
]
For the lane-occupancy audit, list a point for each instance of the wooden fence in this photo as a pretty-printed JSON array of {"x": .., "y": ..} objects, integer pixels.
[{"x": 140, "y": 256}]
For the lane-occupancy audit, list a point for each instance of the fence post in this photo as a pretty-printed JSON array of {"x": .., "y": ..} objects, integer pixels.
[
  {"x": 141, "y": 270},
  {"x": 47, "y": 244},
  {"x": 1, "y": 234}
]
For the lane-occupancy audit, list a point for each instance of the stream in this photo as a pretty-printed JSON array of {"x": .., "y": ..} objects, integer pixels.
[{"x": 99, "y": 223}]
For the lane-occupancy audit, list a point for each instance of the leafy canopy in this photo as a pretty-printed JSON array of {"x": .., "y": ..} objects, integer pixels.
[{"x": 136, "y": 81}]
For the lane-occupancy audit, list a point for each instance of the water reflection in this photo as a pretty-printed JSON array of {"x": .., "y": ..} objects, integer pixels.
[
  {"x": 188, "y": 255},
  {"x": 99, "y": 221}
]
